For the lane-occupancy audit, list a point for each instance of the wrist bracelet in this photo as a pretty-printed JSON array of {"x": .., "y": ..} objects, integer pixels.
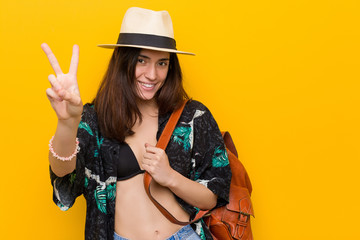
[{"x": 77, "y": 149}]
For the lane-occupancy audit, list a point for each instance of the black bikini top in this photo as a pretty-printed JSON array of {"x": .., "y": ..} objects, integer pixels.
[{"x": 127, "y": 164}]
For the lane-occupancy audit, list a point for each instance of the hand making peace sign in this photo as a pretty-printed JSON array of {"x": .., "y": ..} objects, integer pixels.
[{"x": 64, "y": 94}]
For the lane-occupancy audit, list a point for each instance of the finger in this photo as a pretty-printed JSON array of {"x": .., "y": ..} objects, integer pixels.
[
  {"x": 144, "y": 165},
  {"x": 52, "y": 59},
  {"x": 72, "y": 98},
  {"x": 62, "y": 93},
  {"x": 151, "y": 149},
  {"x": 145, "y": 161},
  {"x": 74, "y": 60},
  {"x": 148, "y": 145},
  {"x": 52, "y": 96},
  {"x": 54, "y": 82},
  {"x": 148, "y": 156},
  {"x": 147, "y": 168}
]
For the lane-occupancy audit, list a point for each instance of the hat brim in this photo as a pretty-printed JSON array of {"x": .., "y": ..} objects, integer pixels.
[{"x": 111, "y": 46}]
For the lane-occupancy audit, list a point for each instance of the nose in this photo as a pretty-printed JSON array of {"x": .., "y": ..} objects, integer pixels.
[{"x": 151, "y": 72}]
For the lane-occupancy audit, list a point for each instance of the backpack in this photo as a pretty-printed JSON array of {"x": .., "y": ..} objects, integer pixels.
[
  {"x": 232, "y": 221},
  {"x": 228, "y": 222}
]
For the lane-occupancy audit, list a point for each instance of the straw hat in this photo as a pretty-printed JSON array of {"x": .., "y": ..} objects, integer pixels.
[{"x": 143, "y": 28}]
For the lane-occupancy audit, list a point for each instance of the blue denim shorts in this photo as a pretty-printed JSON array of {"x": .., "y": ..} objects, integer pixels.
[{"x": 185, "y": 233}]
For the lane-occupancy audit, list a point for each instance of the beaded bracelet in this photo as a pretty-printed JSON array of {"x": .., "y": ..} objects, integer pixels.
[{"x": 77, "y": 149}]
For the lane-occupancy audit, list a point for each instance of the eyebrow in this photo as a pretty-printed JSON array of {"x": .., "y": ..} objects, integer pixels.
[{"x": 162, "y": 59}]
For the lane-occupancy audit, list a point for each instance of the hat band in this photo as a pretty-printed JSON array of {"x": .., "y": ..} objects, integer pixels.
[{"x": 146, "y": 40}]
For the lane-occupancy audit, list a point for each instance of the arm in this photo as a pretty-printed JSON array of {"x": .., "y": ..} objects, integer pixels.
[
  {"x": 197, "y": 137},
  {"x": 64, "y": 144},
  {"x": 67, "y": 186},
  {"x": 65, "y": 99},
  {"x": 157, "y": 164},
  {"x": 193, "y": 193}
]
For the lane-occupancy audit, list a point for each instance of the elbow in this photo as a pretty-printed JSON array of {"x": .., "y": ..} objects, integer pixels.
[
  {"x": 213, "y": 202},
  {"x": 210, "y": 203},
  {"x": 61, "y": 168},
  {"x": 58, "y": 173}
]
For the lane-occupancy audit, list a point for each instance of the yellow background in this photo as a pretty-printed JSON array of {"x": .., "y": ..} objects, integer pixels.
[{"x": 282, "y": 76}]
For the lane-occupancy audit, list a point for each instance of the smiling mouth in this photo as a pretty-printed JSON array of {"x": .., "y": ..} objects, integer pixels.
[{"x": 147, "y": 85}]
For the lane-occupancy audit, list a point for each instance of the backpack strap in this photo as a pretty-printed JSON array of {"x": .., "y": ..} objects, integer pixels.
[
  {"x": 162, "y": 143},
  {"x": 229, "y": 142}
]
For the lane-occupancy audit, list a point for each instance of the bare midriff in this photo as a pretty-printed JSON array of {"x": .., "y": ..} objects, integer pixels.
[{"x": 137, "y": 218}]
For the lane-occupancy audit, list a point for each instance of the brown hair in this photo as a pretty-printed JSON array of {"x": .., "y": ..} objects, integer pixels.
[{"x": 115, "y": 101}]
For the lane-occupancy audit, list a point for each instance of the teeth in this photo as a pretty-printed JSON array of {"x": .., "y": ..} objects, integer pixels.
[{"x": 147, "y": 85}]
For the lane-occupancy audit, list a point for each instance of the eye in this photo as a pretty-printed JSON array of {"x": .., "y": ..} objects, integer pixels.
[
  {"x": 163, "y": 64},
  {"x": 140, "y": 60}
]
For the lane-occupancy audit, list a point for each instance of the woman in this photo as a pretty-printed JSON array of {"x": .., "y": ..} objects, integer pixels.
[{"x": 102, "y": 149}]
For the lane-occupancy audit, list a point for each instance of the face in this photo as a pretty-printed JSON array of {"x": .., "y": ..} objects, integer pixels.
[{"x": 150, "y": 72}]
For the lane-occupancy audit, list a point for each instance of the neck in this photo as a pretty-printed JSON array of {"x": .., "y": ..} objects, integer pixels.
[{"x": 148, "y": 107}]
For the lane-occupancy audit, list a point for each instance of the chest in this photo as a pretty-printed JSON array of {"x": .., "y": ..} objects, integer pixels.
[{"x": 144, "y": 132}]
